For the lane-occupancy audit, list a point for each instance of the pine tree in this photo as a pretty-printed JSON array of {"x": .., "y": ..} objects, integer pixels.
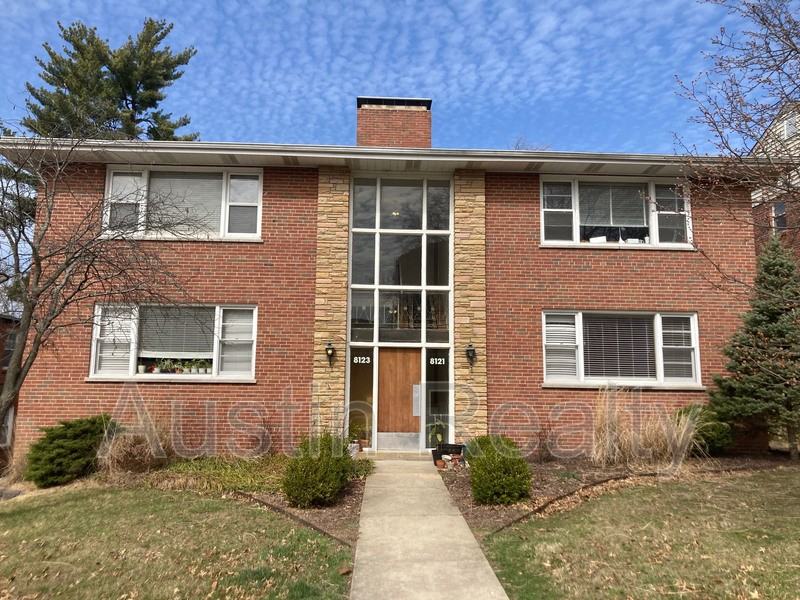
[
  {"x": 764, "y": 367},
  {"x": 93, "y": 90}
]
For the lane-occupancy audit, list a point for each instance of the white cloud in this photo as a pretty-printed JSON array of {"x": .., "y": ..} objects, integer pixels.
[{"x": 590, "y": 75}]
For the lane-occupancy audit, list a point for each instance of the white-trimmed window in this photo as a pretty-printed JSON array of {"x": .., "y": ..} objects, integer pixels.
[
  {"x": 596, "y": 211},
  {"x": 189, "y": 202},
  {"x": 155, "y": 341},
  {"x": 779, "y": 222},
  {"x": 125, "y": 201},
  {"x": 620, "y": 348},
  {"x": 789, "y": 126}
]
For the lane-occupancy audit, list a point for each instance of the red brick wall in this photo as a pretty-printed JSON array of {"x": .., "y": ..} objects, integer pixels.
[
  {"x": 276, "y": 275},
  {"x": 393, "y": 127},
  {"x": 523, "y": 280}
]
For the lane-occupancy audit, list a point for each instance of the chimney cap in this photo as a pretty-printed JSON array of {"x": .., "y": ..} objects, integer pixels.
[{"x": 393, "y": 101}]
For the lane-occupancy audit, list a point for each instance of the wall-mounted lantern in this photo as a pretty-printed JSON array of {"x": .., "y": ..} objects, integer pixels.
[
  {"x": 472, "y": 354},
  {"x": 330, "y": 352}
]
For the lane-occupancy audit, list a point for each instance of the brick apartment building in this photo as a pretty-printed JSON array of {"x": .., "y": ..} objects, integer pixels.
[{"x": 414, "y": 293}]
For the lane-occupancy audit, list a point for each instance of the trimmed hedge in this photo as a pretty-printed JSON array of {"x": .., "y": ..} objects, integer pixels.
[
  {"x": 67, "y": 451},
  {"x": 318, "y": 472},
  {"x": 498, "y": 472}
]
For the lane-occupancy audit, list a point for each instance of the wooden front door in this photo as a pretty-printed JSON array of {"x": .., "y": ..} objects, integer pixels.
[{"x": 398, "y": 373}]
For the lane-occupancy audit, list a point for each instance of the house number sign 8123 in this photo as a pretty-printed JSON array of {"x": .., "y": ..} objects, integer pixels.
[{"x": 362, "y": 360}]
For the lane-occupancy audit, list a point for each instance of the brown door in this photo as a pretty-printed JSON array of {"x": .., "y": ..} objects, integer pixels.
[{"x": 398, "y": 373}]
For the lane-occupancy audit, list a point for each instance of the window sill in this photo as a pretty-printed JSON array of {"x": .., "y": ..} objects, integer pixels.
[
  {"x": 169, "y": 379},
  {"x": 155, "y": 238},
  {"x": 607, "y": 246},
  {"x": 641, "y": 385}
]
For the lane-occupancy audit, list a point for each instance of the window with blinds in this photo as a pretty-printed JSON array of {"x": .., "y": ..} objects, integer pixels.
[
  {"x": 613, "y": 212},
  {"x": 176, "y": 332},
  {"x": 186, "y": 340},
  {"x": 561, "y": 346},
  {"x": 618, "y": 346},
  {"x": 113, "y": 340},
  {"x": 624, "y": 348},
  {"x": 184, "y": 203}
]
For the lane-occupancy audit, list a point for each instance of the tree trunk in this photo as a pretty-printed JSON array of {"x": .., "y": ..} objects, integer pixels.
[{"x": 791, "y": 437}]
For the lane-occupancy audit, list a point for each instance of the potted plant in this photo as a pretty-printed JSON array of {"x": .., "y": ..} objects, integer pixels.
[
  {"x": 164, "y": 365},
  {"x": 141, "y": 369},
  {"x": 205, "y": 367},
  {"x": 178, "y": 366},
  {"x": 358, "y": 435},
  {"x": 194, "y": 367}
]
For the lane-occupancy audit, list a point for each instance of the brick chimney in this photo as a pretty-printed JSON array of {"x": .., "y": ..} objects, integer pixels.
[{"x": 393, "y": 122}]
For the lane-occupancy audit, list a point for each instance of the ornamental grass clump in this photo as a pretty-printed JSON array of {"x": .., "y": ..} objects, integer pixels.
[{"x": 498, "y": 472}]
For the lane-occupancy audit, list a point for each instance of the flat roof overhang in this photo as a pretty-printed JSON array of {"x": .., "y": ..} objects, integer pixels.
[{"x": 357, "y": 158}]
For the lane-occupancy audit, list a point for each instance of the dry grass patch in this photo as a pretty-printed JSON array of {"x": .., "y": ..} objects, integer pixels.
[
  {"x": 733, "y": 536},
  {"x": 145, "y": 543}
]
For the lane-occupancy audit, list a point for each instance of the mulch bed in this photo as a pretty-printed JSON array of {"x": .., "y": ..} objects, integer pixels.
[
  {"x": 339, "y": 521},
  {"x": 559, "y": 485}
]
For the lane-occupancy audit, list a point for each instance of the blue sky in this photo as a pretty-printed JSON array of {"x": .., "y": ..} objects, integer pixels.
[{"x": 591, "y": 75}]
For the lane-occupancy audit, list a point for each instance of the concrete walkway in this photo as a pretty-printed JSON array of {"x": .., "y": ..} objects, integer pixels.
[{"x": 413, "y": 541}]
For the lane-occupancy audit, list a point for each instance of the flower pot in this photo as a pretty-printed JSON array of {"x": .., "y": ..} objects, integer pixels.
[
  {"x": 436, "y": 455},
  {"x": 206, "y": 371},
  {"x": 156, "y": 370},
  {"x": 363, "y": 443},
  {"x": 440, "y": 464},
  {"x": 353, "y": 449},
  {"x": 141, "y": 369},
  {"x": 195, "y": 370}
]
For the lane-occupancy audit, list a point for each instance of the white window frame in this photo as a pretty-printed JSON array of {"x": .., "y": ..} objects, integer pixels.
[
  {"x": 132, "y": 373},
  {"x": 221, "y": 233},
  {"x": 774, "y": 216},
  {"x": 789, "y": 126},
  {"x": 141, "y": 202},
  {"x": 652, "y": 214},
  {"x": 597, "y": 382}
]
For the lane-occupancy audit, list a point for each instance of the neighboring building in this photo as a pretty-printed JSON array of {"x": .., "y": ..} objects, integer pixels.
[
  {"x": 774, "y": 212},
  {"x": 418, "y": 292}
]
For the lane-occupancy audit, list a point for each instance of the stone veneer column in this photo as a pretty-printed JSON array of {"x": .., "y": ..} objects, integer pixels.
[
  {"x": 330, "y": 311},
  {"x": 469, "y": 303}
]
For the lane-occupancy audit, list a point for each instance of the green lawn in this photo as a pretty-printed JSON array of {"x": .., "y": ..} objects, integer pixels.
[
  {"x": 730, "y": 537},
  {"x": 146, "y": 543}
]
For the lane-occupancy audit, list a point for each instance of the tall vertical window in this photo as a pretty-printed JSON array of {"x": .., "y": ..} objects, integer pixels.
[
  {"x": 191, "y": 202},
  {"x": 608, "y": 212},
  {"x": 790, "y": 126},
  {"x": 671, "y": 213},
  {"x": 779, "y": 221},
  {"x": 558, "y": 213},
  {"x": 400, "y": 261},
  {"x": 619, "y": 348}
]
